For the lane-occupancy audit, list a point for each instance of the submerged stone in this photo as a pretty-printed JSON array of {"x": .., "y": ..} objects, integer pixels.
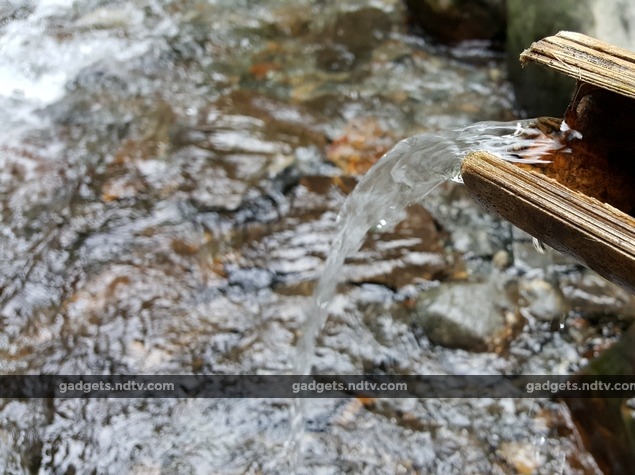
[
  {"x": 362, "y": 142},
  {"x": 544, "y": 300},
  {"x": 351, "y": 37},
  {"x": 216, "y": 217},
  {"x": 458, "y": 20},
  {"x": 463, "y": 315},
  {"x": 411, "y": 253}
]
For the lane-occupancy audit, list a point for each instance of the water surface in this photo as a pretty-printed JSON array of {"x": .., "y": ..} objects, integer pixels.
[{"x": 170, "y": 177}]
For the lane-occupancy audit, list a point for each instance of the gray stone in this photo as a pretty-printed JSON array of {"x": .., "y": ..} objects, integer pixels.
[
  {"x": 463, "y": 315},
  {"x": 544, "y": 300}
]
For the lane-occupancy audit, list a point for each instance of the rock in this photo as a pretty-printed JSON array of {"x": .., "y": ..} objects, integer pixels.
[
  {"x": 411, "y": 253},
  {"x": 250, "y": 279},
  {"x": 351, "y": 37},
  {"x": 523, "y": 457},
  {"x": 543, "y": 92},
  {"x": 362, "y": 143},
  {"x": 463, "y": 315},
  {"x": 240, "y": 144},
  {"x": 544, "y": 301},
  {"x": 606, "y": 423},
  {"x": 276, "y": 121},
  {"x": 501, "y": 260},
  {"x": 216, "y": 187},
  {"x": 459, "y": 20},
  {"x": 527, "y": 257},
  {"x": 594, "y": 297},
  {"x": 473, "y": 232},
  {"x": 335, "y": 58}
]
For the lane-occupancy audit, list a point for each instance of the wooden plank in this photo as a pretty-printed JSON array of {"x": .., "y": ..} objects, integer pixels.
[
  {"x": 586, "y": 59},
  {"x": 596, "y": 234},
  {"x": 601, "y": 46}
]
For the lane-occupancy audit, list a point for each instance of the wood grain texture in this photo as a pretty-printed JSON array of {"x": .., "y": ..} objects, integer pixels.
[
  {"x": 596, "y": 234},
  {"x": 587, "y": 60}
]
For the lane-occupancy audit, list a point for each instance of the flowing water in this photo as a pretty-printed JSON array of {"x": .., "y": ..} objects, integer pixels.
[
  {"x": 170, "y": 176},
  {"x": 404, "y": 176}
]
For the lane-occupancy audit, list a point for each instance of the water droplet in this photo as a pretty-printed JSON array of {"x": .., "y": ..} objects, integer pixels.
[{"x": 539, "y": 246}]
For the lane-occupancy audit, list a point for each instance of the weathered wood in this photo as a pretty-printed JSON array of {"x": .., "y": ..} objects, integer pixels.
[
  {"x": 587, "y": 60},
  {"x": 572, "y": 214},
  {"x": 596, "y": 234}
]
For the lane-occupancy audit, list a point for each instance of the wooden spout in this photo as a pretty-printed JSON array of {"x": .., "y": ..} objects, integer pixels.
[
  {"x": 582, "y": 203},
  {"x": 596, "y": 234}
]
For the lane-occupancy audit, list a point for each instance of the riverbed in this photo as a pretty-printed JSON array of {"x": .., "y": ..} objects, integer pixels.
[{"x": 170, "y": 178}]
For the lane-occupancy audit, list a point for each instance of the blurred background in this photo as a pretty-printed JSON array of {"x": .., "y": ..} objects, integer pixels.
[{"x": 170, "y": 176}]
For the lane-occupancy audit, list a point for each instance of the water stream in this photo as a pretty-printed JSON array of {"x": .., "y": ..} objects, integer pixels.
[
  {"x": 404, "y": 176},
  {"x": 170, "y": 176}
]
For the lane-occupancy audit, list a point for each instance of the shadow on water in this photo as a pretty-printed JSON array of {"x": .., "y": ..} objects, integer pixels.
[{"x": 170, "y": 177}]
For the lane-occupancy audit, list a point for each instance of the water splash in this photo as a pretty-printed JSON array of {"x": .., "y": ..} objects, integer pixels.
[{"x": 404, "y": 176}]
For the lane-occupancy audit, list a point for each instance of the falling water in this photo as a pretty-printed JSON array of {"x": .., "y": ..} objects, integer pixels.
[{"x": 404, "y": 176}]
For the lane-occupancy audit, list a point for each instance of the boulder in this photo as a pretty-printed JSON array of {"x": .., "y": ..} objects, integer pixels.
[{"x": 459, "y": 20}]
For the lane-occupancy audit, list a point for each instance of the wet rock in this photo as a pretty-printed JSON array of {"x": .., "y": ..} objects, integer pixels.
[
  {"x": 474, "y": 233},
  {"x": 351, "y": 37},
  {"x": 218, "y": 185},
  {"x": 458, "y": 20},
  {"x": 463, "y": 315},
  {"x": 501, "y": 260},
  {"x": 527, "y": 257},
  {"x": 242, "y": 148},
  {"x": 606, "y": 423},
  {"x": 362, "y": 143},
  {"x": 335, "y": 58},
  {"x": 593, "y": 297},
  {"x": 523, "y": 457},
  {"x": 250, "y": 279},
  {"x": 411, "y": 253},
  {"x": 275, "y": 121},
  {"x": 122, "y": 187},
  {"x": 544, "y": 300}
]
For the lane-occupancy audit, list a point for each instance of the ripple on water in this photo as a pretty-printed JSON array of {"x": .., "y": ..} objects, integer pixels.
[{"x": 167, "y": 203}]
